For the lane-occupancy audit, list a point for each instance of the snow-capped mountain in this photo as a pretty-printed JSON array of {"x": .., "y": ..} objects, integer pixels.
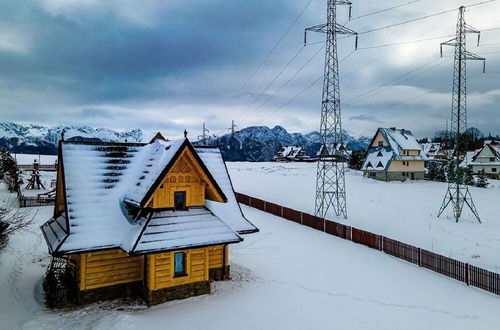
[
  {"x": 260, "y": 143},
  {"x": 255, "y": 143},
  {"x": 30, "y": 138}
]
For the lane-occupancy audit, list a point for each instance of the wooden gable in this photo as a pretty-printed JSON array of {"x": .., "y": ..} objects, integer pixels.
[
  {"x": 186, "y": 174},
  {"x": 379, "y": 137}
]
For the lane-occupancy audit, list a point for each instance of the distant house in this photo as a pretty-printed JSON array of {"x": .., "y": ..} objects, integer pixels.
[
  {"x": 486, "y": 159},
  {"x": 152, "y": 220},
  {"x": 432, "y": 151},
  {"x": 292, "y": 154},
  {"x": 394, "y": 155}
]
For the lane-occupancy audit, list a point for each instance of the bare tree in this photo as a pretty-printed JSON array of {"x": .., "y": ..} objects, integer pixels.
[{"x": 13, "y": 219}]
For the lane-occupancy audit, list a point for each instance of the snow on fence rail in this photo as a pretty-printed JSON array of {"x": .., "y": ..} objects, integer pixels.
[{"x": 461, "y": 271}]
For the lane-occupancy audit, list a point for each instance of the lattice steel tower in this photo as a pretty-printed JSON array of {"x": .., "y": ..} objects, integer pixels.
[
  {"x": 330, "y": 178},
  {"x": 458, "y": 193}
]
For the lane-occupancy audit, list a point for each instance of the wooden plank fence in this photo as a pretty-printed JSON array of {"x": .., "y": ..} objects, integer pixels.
[{"x": 458, "y": 270}]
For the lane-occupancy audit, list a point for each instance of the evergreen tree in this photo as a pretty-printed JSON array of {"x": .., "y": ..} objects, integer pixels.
[
  {"x": 482, "y": 181},
  {"x": 451, "y": 172},
  {"x": 356, "y": 160},
  {"x": 432, "y": 171},
  {"x": 440, "y": 174},
  {"x": 468, "y": 177}
]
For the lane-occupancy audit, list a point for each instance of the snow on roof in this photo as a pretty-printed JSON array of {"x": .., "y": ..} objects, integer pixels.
[
  {"x": 98, "y": 178},
  {"x": 400, "y": 139},
  {"x": 151, "y": 161},
  {"x": 230, "y": 211},
  {"x": 377, "y": 156},
  {"x": 169, "y": 230}
]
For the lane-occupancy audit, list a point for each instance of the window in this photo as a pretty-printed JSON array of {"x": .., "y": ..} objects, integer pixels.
[
  {"x": 180, "y": 200},
  {"x": 493, "y": 169},
  {"x": 404, "y": 163},
  {"x": 379, "y": 154},
  {"x": 380, "y": 143},
  {"x": 369, "y": 165},
  {"x": 407, "y": 163},
  {"x": 380, "y": 164},
  {"x": 179, "y": 264},
  {"x": 492, "y": 159},
  {"x": 373, "y": 174}
]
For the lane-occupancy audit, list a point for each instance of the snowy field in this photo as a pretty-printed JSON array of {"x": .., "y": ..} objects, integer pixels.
[
  {"x": 285, "y": 277},
  {"x": 406, "y": 211}
]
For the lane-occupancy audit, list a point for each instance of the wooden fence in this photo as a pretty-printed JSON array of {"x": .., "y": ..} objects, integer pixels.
[
  {"x": 29, "y": 201},
  {"x": 458, "y": 270}
]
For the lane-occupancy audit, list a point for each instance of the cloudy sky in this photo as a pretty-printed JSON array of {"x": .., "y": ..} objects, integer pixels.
[{"x": 170, "y": 64}]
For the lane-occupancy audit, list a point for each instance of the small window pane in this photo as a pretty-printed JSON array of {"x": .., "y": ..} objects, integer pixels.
[{"x": 179, "y": 267}]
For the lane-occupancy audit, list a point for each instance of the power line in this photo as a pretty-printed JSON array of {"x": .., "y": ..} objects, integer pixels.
[
  {"x": 272, "y": 50},
  {"x": 421, "y": 18},
  {"x": 406, "y": 42},
  {"x": 288, "y": 81},
  {"x": 384, "y": 10},
  {"x": 272, "y": 81},
  {"x": 301, "y": 92},
  {"x": 373, "y": 91}
]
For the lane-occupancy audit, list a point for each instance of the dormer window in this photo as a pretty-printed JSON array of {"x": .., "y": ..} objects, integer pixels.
[
  {"x": 369, "y": 165},
  {"x": 380, "y": 143},
  {"x": 379, "y": 154},
  {"x": 380, "y": 164}
]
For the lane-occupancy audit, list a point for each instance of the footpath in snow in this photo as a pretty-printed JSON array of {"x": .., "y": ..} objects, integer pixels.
[{"x": 405, "y": 211}]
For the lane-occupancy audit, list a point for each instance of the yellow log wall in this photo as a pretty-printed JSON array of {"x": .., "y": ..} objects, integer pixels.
[
  {"x": 109, "y": 267},
  {"x": 185, "y": 175},
  {"x": 160, "y": 266}
]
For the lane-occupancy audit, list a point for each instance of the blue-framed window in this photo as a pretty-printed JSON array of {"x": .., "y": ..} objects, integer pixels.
[{"x": 179, "y": 264}]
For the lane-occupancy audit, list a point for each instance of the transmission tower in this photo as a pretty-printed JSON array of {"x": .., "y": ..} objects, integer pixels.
[
  {"x": 458, "y": 193},
  {"x": 232, "y": 144},
  {"x": 330, "y": 178},
  {"x": 203, "y": 137}
]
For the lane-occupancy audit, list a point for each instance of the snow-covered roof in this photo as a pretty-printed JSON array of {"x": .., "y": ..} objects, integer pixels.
[
  {"x": 378, "y": 158},
  {"x": 400, "y": 139},
  {"x": 169, "y": 230},
  {"x": 493, "y": 147},
  {"x": 230, "y": 211},
  {"x": 98, "y": 179}
]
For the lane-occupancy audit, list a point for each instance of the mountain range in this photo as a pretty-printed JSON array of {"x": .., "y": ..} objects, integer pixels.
[{"x": 255, "y": 143}]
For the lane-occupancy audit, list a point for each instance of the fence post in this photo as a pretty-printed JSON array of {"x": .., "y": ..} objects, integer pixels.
[
  {"x": 301, "y": 218},
  {"x": 250, "y": 201},
  {"x": 281, "y": 211},
  {"x": 467, "y": 273},
  {"x": 381, "y": 243},
  {"x": 265, "y": 207},
  {"x": 419, "y": 257}
]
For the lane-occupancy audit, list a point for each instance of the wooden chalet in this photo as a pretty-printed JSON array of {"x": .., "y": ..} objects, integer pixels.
[
  {"x": 153, "y": 220},
  {"x": 394, "y": 155}
]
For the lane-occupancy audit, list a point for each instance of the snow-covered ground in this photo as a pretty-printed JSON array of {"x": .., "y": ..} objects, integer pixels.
[
  {"x": 287, "y": 276},
  {"x": 406, "y": 211},
  {"x": 45, "y": 177}
]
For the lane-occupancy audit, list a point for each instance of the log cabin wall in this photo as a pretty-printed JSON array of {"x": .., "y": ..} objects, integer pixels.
[
  {"x": 160, "y": 266},
  {"x": 183, "y": 176},
  {"x": 107, "y": 268}
]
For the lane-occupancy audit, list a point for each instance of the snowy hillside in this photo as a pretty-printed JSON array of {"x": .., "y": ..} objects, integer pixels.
[
  {"x": 260, "y": 143},
  {"x": 36, "y": 139}
]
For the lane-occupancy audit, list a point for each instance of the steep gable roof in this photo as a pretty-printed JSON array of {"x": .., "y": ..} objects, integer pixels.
[
  {"x": 98, "y": 176},
  {"x": 157, "y": 159}
]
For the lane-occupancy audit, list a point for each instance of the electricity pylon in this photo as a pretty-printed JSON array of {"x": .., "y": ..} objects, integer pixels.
[
  {"x": 204, "y": 136},
  {"x": 330, "y": 178},
  {"x": 458, "y": 193}
]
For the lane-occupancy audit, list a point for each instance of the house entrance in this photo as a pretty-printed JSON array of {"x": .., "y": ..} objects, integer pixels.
[{"x": 180, "y": 200}]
